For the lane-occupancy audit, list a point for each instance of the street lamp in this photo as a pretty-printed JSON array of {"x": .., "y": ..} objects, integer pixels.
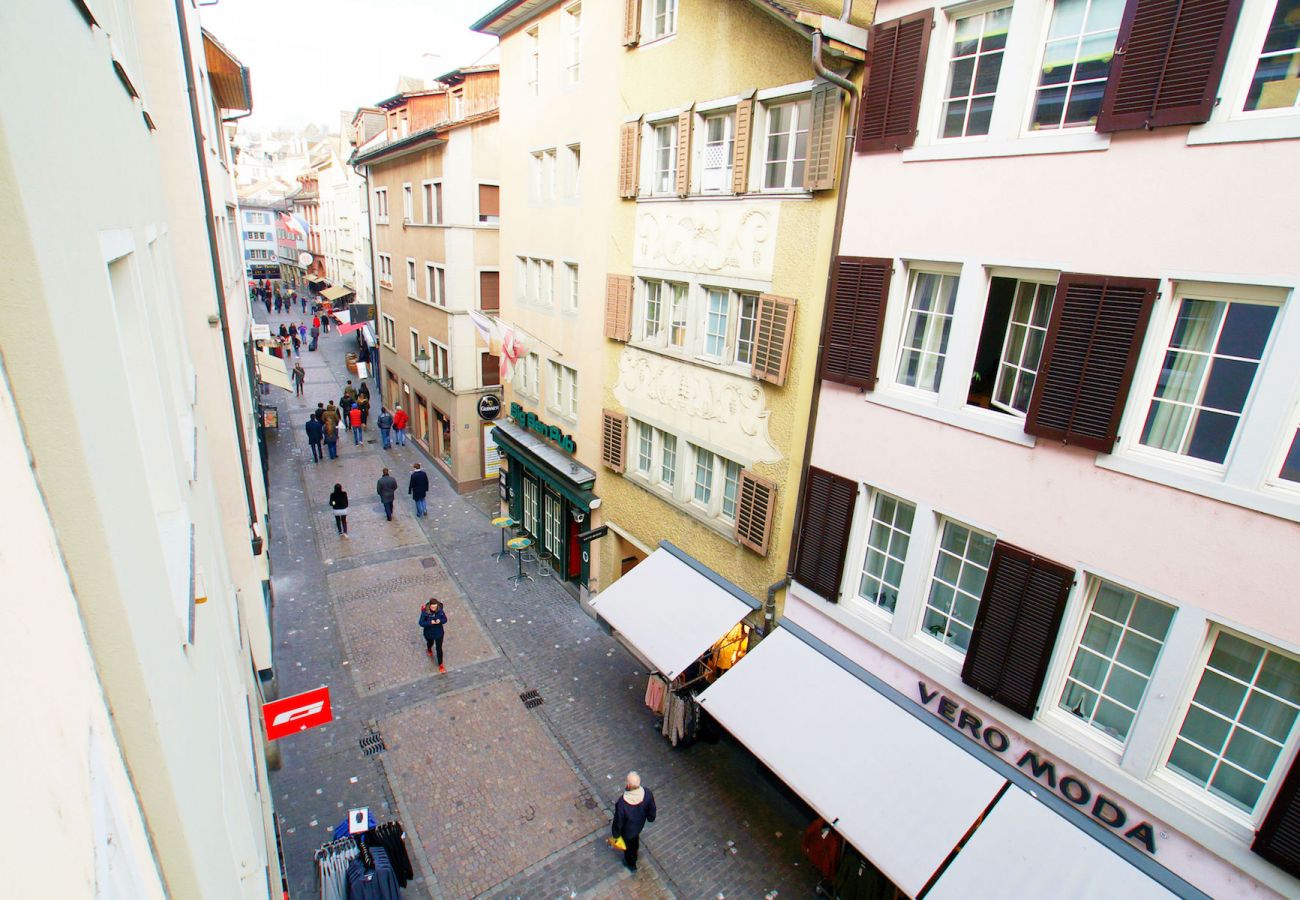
[{"x": 422, "y": 362}]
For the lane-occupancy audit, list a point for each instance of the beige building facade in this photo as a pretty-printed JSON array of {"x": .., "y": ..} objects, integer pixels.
[{"x": 434, "y": 209}]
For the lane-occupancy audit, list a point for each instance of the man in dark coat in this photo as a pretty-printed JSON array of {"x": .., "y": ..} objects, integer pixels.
[
  {"x": 386, "y": 488},
  {"x": 418, "y": 488},
  {"x": 432, "y": 619},
  {"x": 315, "y": 434},
  {"x": 631, "y": 812}
]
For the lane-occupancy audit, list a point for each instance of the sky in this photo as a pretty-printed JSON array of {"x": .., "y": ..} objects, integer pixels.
[{"x": 311, "y": 59}]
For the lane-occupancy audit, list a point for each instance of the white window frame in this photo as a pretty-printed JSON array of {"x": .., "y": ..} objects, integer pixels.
[
  {"x": 573, "y": 171},
  {"x": 521, "y": 278},
  {"x": 528, "y": 376},
  {"x": 650, "y": 163},
  {"x": 534, "y": 60},
  {"x": 1034, "y": 85},
  {"x": 913, "y": 277},
  {"x": 388, "y": 332},
  {"x": 381, "y": 206},
  {"x": 562, "y": 395},
  {"x": 789, "y": 184},
  {"x": 860, "y": 547},
  {"x": 702, "y": 120},
  {"x": 571, "y": 284},
  {"x": 938, "y": 645},
  {"x": 573, "y": 42},
  {"x": 431, "y": 191},
  {"x": 408, "y": 203},
  {"x": 386, "y": 270},
  {"x": 1018, "y": 366},
  {"x": 550, "y": 167},
  {"x": 1290, "y": 433},
  {"x": 415, "y": 344},
  {"x": 412, "y": 281},
  {"x": 950, "y": 44},
  {"x": 656, "y": 25}
]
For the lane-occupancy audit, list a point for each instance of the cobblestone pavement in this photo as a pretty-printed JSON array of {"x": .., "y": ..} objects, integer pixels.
[{"x": 345, "y": 616}]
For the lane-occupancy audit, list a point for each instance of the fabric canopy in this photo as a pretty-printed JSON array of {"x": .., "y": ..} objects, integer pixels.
[
  {"x": 342, "y": 316},
  {"x": 272, "y": 371},
  {"x": 1024, "y": 849},
  {"x": 670, "y": 612},
  {"x": 334, "y": 293},
  {"x": 894, "y": 789},
  {"x": 314, "y": 278}
]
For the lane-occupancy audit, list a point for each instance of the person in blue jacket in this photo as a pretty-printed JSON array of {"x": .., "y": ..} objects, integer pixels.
[
  {"x": 631, "y": 812},
  {"x": 432, "y": 619}
]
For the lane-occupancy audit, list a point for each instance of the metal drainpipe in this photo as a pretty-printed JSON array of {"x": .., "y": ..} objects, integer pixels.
[
  {"x": 218, "y": 283},
  {"x": 769, "y": 606},
  {"x": 374, "y": 279}
]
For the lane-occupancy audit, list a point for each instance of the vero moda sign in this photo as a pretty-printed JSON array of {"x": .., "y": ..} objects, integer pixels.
[{"x": 297, "y": 713}]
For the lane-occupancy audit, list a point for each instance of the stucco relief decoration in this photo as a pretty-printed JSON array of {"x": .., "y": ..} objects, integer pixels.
[
  {"x": 736, "y": 239},
  {"x": 725, "y": 410}
]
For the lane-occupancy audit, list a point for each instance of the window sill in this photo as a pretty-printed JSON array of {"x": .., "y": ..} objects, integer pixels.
[
  {"x": 695, "y": 360},
  {"x": 990, "y": 424},
  {"x": 1127, "y": 463},
  {"x": 1077, "y": 732},
  {"x": 1029, "y": 145},
  {"x": 657, "y": 41},
  {"x": 1246, "y": 128}
]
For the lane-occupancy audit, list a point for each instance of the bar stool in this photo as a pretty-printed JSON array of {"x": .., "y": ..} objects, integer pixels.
[
  {"x": 519, "y": 545},
  {"x": 544, "y": 563},
  {"x": 505, "y": 523}
]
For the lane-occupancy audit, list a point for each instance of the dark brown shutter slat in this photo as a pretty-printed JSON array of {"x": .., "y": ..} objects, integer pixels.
[
  {"x": 1093, "y": 339},
  {"x": 823, "y": 532},
  {"x": 893, "y": 90},
  {"x": 1168, "y": 61},
  {"x": 489, "y": 201},
  {"x": 490, "y": 369},
  {"x": 489, "y": 291},
  {"x": 859, "y": 291},
  {"x": 1016, "y": 627},
  {"x": 1278, "y": 838}
]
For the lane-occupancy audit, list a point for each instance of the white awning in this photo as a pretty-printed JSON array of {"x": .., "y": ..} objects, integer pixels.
[
  {"x": 894, "y": 789},
  {"x": 1024, "y": 849},
  {"x": 368, "y": 335},
  {"x": 271, "y": 369},
  {"x": 671, "y": 613}
]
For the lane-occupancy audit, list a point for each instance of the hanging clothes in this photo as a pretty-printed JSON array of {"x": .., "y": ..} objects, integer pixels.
[
  {"x": 681, "y": 722},
  {"x": 823, "y": 847},
  {"x": 376, "y": 882},
  {"x": 332, "y": 861},
  {"x": 655, "y": 690},
  {"x": 392, "y": 838},
  {"x": 857, "y": 879}
]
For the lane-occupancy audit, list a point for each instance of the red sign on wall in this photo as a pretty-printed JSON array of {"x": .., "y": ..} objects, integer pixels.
[{"x": 291, "y": 715}]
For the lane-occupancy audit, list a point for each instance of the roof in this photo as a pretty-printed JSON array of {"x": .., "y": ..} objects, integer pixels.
[
  {"x": 456, "y": 76},
  {"x": 230, "y": 80},
  {"x": 425, "y": 137},
  {"x": 400, "y": 98},
  {"x": 509, "y": 15}
]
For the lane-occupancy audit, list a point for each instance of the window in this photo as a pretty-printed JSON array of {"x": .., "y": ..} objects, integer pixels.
[
  {"x": 1239, "y": 720},
  {"x": 787, "y": 146},
  {"x": 439, "y": 360},
  {"x": 653, "y": 309},
  {"x": 432, "y": 202},
  {"x": 530, "y": 505},
  {"x": 388, "y": 332},
  {"x": 1011, "y": 344},
  {"x": 715, "y": 324},
  {"x": 381, "y": 205},
  {"x": 554, "y": 527},
  {"x": 889, "y": 532},
  {"x": 573, "y": 42},
  {"x": 668, "y": 460},
  {"x": 716, "y": 153},
  {"x": 664, "y": 160},
  {"x": 1114, "y": 657},
  {"x": 1275, "y": 84},
  {"x": 977, "y": 45},
  {"x": 663, "y": 18},
  {"x": 521, "y": 277},
  {"x": 489, "y": 369},
  {"x": 703, "y": 490},
  {"x": 536, "y": 170},
  {"x": 412, "y": 288},
  {"x": 534, "y": 61},
  {"x": 386, "y": 269},
  {"x": 958, "y": 581},
  {"x": 435, "y": 284},
  {"x": 746, "y": 327},
  {"x": 546, "y": 282},
  {"x": 563, "y": 397},
  {"x": 677, "y": 316},
  {"x": 730, "y": 489},
  {"x": 1290, "y": 470},
  {"x": 489, "y": 204},
  {"x": 644, "y": 448},
  {"x": 925, "y": 331},
  {"x": 408, "y": 204},
  {"x": 573, "y": 178},
  {"x": 1076, "y": 61},
  {"x": 571, "y": 289},
  {"x": 1206, "y": 377},
  {"x": 415, "y": 344},
  {"x": 528, "y": 378}
]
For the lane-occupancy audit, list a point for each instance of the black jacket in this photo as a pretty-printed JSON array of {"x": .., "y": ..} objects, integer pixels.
[
  {"x": 315, "y": 431},
  {"x": 419, "y": 485},
  {"x": 630, "y": 818},
  {"x": 339, "y": 500},
  {"x": 432, "y": 623}
]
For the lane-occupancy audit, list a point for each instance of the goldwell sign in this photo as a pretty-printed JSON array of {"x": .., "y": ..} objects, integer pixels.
[{"x": 291, "y": 715}]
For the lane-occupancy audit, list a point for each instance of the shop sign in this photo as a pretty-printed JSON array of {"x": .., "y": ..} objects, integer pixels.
[
  {"x": 297, "y": 713},
  {"x": 1041, "y": 767},
  {"x": 489, "y": 406},
  {"x": 551, "y": 432},
  {"x": 491, "y": 453}
]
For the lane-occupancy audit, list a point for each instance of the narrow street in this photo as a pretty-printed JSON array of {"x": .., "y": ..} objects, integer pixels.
[{"x": 498, "y": 800}]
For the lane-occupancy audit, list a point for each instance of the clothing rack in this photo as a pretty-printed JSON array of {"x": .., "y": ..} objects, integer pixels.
[{"x": 347, "y": 866}]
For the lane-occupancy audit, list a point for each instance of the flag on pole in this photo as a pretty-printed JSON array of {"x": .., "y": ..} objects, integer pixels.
[
  {"x": 506, "y": 342},
  {"x": 294, "y": 225}
]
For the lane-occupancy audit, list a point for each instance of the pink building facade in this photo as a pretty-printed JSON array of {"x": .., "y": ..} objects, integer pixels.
[{"x": 1055, "y": 478}]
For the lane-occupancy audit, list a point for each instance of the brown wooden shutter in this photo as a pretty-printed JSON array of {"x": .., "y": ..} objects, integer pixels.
[
  {"x": 823, "y": 532},
  {"x": 859, "y": 291},
  {"x": 893, "y": 91},
  {"x": 489, "y": 291},
  {"x": 491, "y": 369},
  {"x": 629, "y": 146},
  {"x": 1278, "y": 838},
  {"x": 631, "y": 22},
  {"x": 1016, "y": 626},
  {"x": 755, "y": 510},
  {"x": 823, "y": 134},
  {"x": 774, "y": 330},
  {"x": 1092, "y": 345},
  {"x": 685, "y": 119},
  {"x": 618, "y": 307},
  {"x": 1168, "y": 60},
  {"x": 489, "y": 201},
  {"x": 740, "y": 148},
  {"x": 613, "y": 441}
]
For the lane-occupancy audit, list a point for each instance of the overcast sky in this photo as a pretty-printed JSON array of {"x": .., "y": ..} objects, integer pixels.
[{"x": 310, "y": 59}]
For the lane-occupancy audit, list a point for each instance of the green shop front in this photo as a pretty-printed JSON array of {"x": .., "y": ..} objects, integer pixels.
[{"x": 548, "y": 492}]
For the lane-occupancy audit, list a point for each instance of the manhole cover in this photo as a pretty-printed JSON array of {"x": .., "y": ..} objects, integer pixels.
[
  {"x": 531, "y": 699},
  {"x": 429, "y": 562},
  {"x": 372, "y": 742}
]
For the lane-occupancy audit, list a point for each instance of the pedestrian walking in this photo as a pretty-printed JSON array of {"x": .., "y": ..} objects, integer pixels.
[
  {"x": 315, "y": 434},
  {"x": 386, "y": 488},
  {"x": 325, "y": 322},
  {"x": 330, "y": 419},
  {"x": 363, "y": 404},
  {"x": 299, "y": 378},
  {"x": 433, "y": 620},
  {"x": 277, "y": 304},
  {"x": 315, "y": 336},
  {"x": 631, "y": 812},
  {"x": 354, "y": 420},
  {"x": 349, "y": 391},
  {"x": 339, "y": 503},
  {"x": 302, "y": 300},
  {"x": 385, "y": 423},
  {"x": 345, "y": 407},
  {"x": 284, "y": 330},
  {"x": 302, "y": 332},
  {"x": 418, "y": 488},
  {"x": 400, "y": 420},
  {"x": 293, "y": 338}
]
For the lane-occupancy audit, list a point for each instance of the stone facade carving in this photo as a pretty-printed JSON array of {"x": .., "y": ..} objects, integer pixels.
[
  {"x": 722, "y": 411},
  {"x": 731, "y": 239}
]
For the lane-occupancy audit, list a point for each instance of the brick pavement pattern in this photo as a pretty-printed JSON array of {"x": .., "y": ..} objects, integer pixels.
[
  {"x": 378, "y": 607},
  {"x": 489, "y": 790}
]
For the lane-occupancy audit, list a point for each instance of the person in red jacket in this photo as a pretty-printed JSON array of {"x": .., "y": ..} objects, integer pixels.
[
  {"x": 400, "y": 420},
  {"x": 354, "y": 419}
]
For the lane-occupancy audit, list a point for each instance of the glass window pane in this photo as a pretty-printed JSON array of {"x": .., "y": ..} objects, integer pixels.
[
  {"x": 1221, "y": 694},
  {"x": 1191, "y": 761},
  {"x": 1246, "y": 328},
  {"x": 1125, "y": 687},
  {"x": 1138, "y": 653},
  {"x": 1237, "y": 786},
  {"x": 1089, "y": 668},
  {"x": 1235, "y": 657},
  {"x": 1280, "y": 676},
  {"x": 1113, "y": 719},
  {"x": 1269, "y": 717},
  {"x": 1205, "y": 729}
]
